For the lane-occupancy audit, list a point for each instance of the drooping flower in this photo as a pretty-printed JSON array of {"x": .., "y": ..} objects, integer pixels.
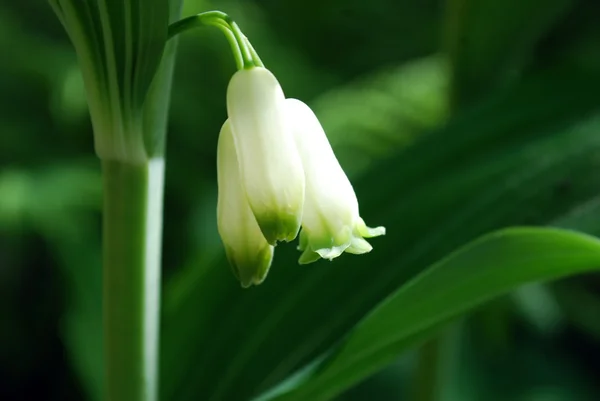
[
  {"x": 248, "y": 252},
  {"x": 270, "y": 167},
  {"x": 277, "y": 172},
  {"x": 331, "y": 223}
]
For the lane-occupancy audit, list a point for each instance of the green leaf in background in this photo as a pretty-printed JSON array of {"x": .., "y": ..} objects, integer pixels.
[
  {"x": 489, "y": 267},
  {"x": 488, "y": 40},
  {"x": 384, "y": 112},
  {"x": 68, "y": 192},
  {"x": 517, "y": 144}
]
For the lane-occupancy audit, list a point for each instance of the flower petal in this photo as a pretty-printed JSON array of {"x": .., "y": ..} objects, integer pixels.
[
  {"x": 271, "y": 169},
  {"x": 247, "y": 250},
  {"x": 308, "y": 256},
  {"x": 369, "y": 232},
  {"x": 359, "y": 246},
  {"x": 331, "y": 223},
  {"x": 330, "y": 205}
]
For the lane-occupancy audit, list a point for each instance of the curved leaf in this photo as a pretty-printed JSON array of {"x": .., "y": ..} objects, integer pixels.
[
  {"x": 488, "y": 267},
  {"x": 489, "y": 40},
  {"x": 384, "y": 112}
]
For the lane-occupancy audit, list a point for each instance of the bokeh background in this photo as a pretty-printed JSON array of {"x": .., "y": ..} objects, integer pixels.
[{"x": 453, "y": 118}]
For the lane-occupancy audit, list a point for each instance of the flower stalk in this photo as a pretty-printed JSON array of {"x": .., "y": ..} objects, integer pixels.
[
  {"x": 244, "y": 54},
  {"x": 132, "y": 226}
]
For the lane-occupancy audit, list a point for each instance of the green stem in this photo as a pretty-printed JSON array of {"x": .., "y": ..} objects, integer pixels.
[
  {"x": 132, "y": 247},
  {"x": 239, "y": 43},
  {"x": 235, "y": 48},
  {"x": 133, "y": 198},
  {"x": 243, "y": 44},
  {"x": 257, "y": 61},
  {"x": 195, "y": 21},
  {"x": 426, "y": 375},
  {"x": 438, "y": 367}
]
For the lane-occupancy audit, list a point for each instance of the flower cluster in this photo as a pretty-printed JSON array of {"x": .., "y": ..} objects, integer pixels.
[{"x": 277, "y": 175}]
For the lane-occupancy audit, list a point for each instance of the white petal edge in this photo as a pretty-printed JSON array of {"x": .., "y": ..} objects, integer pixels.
[{"x": 330, "y": 204}]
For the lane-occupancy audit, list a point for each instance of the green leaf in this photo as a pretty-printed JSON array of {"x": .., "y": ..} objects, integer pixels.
[
  {"x": 584, "y": 217},
  {"x": 67, "y": 191},
  {"x": 157, "y": 106},
  {"x": 488, "y": 41},
  {"x": 384, "y": 112},
  {"x": 67, "y": 218},
  {"x": 81, "y": 325},
  {"x": 119, "y": 46},
  {"x": 489, "y": 267}
]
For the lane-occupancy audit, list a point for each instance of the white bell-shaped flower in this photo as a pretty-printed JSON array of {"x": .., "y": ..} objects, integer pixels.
[
  {"x": 331, "y": 223},
  {"x": 270, "y": 167},
  {"x": 247, "y": 250}
]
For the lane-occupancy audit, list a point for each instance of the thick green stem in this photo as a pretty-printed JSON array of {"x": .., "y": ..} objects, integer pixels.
[
  {"x": 133, "y": 198},
  {"x": 132, "y": 248}
]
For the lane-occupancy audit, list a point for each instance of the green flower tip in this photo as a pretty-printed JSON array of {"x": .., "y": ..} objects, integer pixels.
[
  {"x": 329, "y": 246},
  {"x": 279, "y": 226},
  {"x": 250, "y": 269}
]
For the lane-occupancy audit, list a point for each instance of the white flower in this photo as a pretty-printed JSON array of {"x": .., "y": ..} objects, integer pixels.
[
  {"x": 331, "y": 223},
  {"x": 247, "y": 250},
  {"x": 270, "y": 167},
  {"x": 277, "y": 171}
]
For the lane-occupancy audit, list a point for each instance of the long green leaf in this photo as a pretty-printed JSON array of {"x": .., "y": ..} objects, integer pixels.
[
  {"x": 488, "y": 267},
  {"x": 384, "y": 112},
  {"x": 488, "y": 41}
]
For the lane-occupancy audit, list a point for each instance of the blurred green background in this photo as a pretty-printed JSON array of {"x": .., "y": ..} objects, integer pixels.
[{"x": 453, "y": 118}]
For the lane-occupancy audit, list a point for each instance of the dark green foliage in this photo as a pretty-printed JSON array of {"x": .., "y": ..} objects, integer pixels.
[{"x": 453, "y": 118}]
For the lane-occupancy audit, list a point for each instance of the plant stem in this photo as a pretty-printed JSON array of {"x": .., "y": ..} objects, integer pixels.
[
  {"x": 132, "y": 244},
  {"x": 257, "y": 61},
  {"x": 132, "y": 250},
  {"x": 438, "y": 366},
  {"x": 244, "y": 55},
  {"x": 426, "y": 375}
]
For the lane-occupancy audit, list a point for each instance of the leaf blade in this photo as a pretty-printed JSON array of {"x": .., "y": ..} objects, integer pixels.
[{"x": 526, "y": 254}]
